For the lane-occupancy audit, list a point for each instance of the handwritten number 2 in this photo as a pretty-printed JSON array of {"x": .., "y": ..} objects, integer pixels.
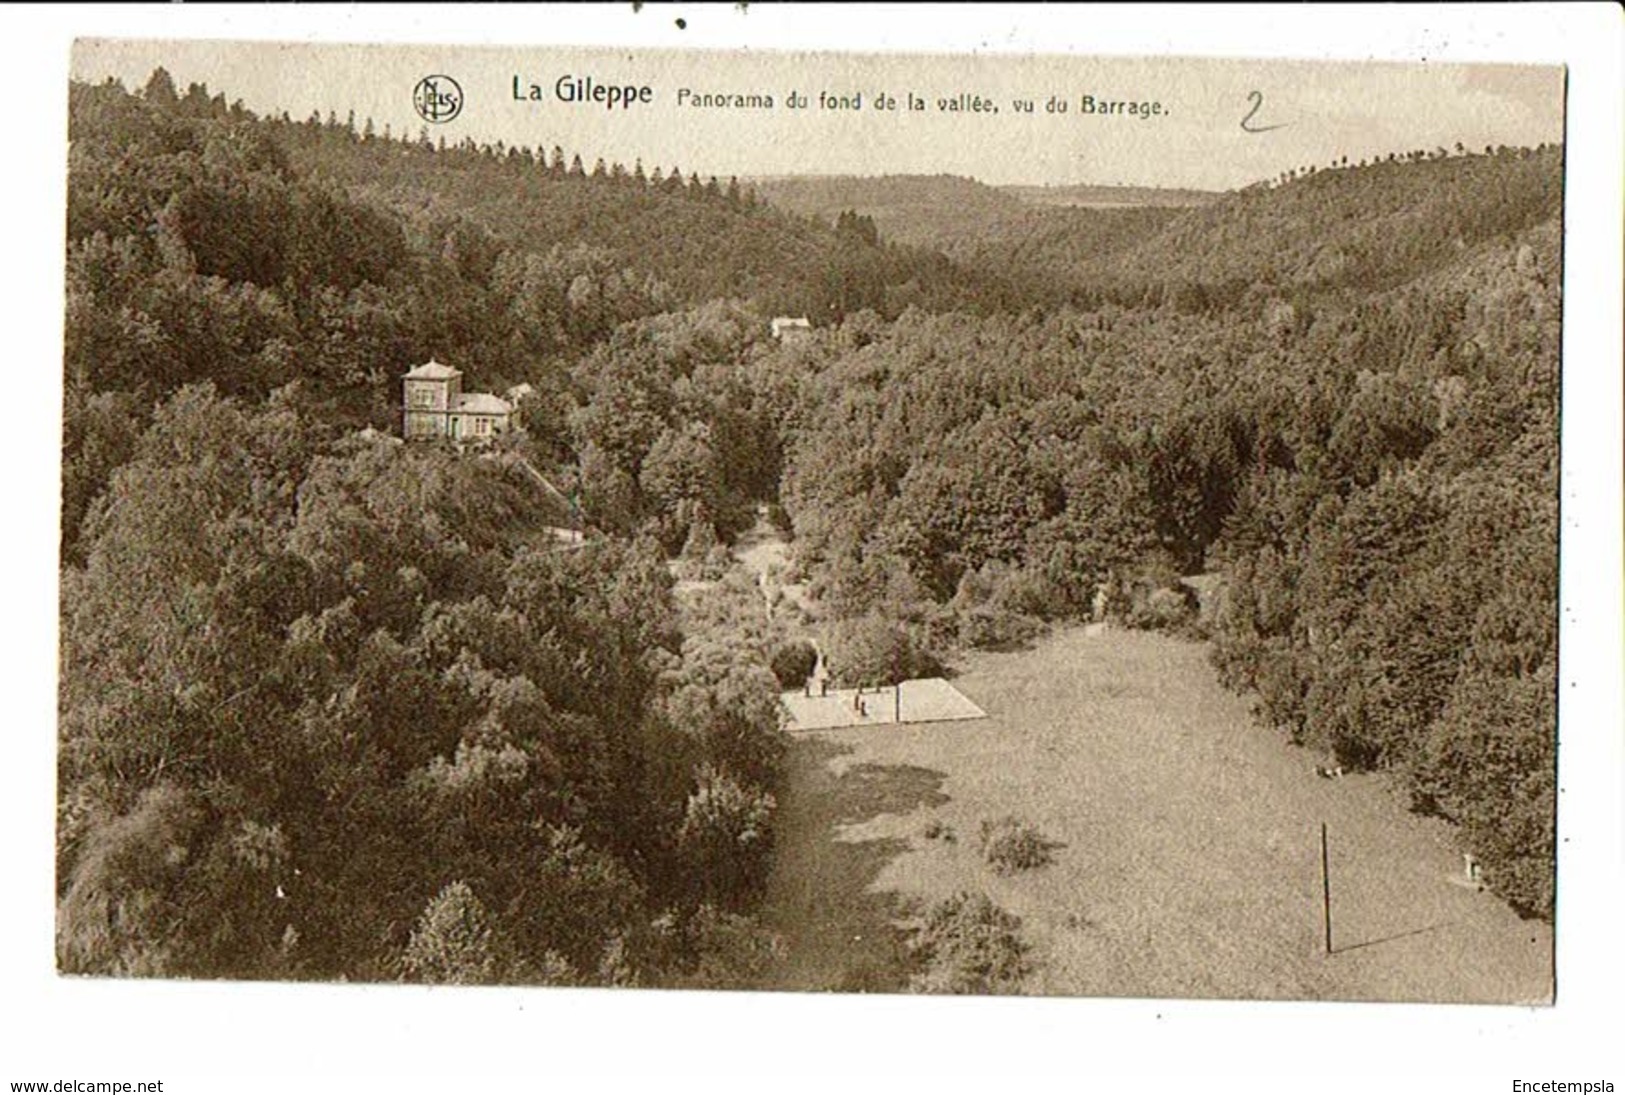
[{"x": 1257, "y": 99}]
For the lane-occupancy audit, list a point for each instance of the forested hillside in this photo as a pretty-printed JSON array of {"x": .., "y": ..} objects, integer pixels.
[
  {"x": 1049, "y": 249},
  {"x": 928, "y": 210},
  {"x": 334, "y": 706},
  {"x": 701, "y": 240},
  {"x": 1353, "y": 230},
  {"x": 1364, "y": 450},
  {"x": 337, "y": 706},
  {"x": 1337, "y": 229}
]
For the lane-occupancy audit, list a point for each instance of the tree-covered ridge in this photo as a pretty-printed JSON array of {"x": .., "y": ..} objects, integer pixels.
[
  {"x": 949, "y": 212},
  {"x": 335, "y": 706},
  {"x": 1374, "y": 481},
  {"x": 702, "y": 239},
  {"x": 1334, "y": 229},
  {"x": 1089, "y": 195},
  {"x": 1045, "y": 249},
  {"x": 926, "y": 210},
  {"x": 1352, "y": 229}
]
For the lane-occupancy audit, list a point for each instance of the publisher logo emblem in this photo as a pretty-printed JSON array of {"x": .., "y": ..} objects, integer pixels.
[{"x": 438, "y": 99}]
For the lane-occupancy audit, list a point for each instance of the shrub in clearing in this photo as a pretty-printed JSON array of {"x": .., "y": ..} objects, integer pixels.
[
  {"x": 872, "y": 651},
  {"x": 997, "y": 606},
  {"x": 1010, "y": 845},
  {"x": 968, "y": 945},
  {"x": 990, "y": 628},
  {"x": 1161, "y": 607},
  {"x": 794, "y": 662}
]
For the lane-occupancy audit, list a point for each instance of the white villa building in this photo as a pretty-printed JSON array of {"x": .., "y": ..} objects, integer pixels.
[{"x": 435, "y": 405}]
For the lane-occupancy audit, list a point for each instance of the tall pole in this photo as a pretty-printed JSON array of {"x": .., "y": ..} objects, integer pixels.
[
  {"x": 897, "y": 702},
  {"x": 1326, "y": 886}
]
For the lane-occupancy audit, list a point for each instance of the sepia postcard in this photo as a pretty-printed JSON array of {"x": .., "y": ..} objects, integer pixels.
[
  {"x": 734, "y": 540},
  {"x": 803, "y": 521}
]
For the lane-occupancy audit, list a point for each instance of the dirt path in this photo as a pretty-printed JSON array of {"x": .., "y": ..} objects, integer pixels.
[
  {"x": 1189, "y": 860},
  {"x": 766, "y": 557}
]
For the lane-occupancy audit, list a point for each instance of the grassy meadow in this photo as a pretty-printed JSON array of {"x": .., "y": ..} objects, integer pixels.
[{"x": 1185, "y": 842}]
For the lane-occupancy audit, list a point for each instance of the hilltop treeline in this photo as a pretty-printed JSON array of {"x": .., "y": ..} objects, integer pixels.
[
  {"x": 1048, "y": 251},
  {"x": 334, "y": 706},
  {"x": 703, "y": 240},
  {"x": 1340, "y": 228},
  {"x": 935, "y": 211},
  {"x": 1350, "y": 231}
]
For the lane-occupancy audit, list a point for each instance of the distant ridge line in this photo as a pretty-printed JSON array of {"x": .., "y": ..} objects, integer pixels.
[{"x": 1051, "y": 194}]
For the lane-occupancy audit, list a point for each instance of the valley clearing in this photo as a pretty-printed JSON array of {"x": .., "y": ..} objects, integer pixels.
[{"x": 1186, "y": 846}]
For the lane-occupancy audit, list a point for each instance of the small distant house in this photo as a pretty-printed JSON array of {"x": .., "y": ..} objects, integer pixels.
[
  {"x": 788, "y": 329},
  {"x": 436, "y": 406}
]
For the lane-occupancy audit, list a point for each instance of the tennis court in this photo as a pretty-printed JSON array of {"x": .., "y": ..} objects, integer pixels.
[{"x": 926, "y": 699}]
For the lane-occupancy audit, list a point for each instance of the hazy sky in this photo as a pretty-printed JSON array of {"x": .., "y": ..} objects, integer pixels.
[{"x": 1321, "y": 110}]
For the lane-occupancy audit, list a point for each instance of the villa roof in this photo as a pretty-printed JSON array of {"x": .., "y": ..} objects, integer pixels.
[
  {"x": 432, "y": 370},
  {"x": 482, "y": 403}
]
